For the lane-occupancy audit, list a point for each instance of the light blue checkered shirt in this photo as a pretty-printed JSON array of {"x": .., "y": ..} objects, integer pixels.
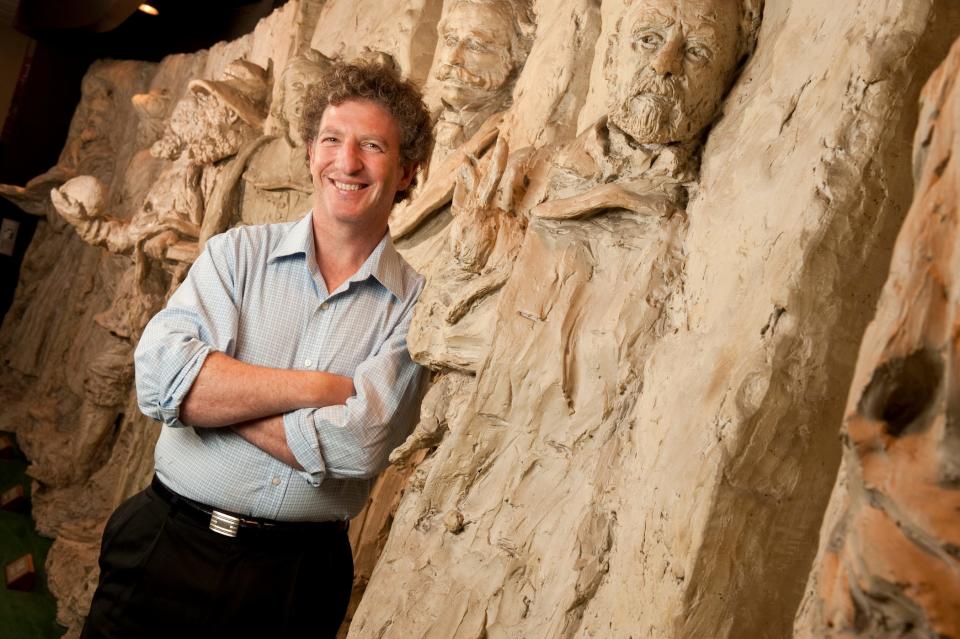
[{"x": 256, "y": 294}]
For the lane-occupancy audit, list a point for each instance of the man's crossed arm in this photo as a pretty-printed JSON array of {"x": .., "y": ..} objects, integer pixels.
[
  {"x": 252, "y": 399},
  {"x": 324, "y": 424}
]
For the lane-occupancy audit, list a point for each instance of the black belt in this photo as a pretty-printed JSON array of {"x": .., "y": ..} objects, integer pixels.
[{"x": 230, "y": 524}]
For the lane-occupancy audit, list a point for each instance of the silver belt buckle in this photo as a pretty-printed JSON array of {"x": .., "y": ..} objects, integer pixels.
[{"x": 224, "y": 524}]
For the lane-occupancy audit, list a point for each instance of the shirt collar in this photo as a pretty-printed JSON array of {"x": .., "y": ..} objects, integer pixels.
[{"x": 384, "y": 264}]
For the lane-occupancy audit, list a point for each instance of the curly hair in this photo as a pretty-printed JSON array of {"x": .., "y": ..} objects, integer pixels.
[{"x": 381, "y": 85}]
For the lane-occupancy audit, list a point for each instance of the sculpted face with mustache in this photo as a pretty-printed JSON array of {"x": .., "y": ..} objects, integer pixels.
[
  {"x": 475, "y": 58},
  {"x": 670, "y": 65}
]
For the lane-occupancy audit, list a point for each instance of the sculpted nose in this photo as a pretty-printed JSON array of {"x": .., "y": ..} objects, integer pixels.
[
  {"x": 455, "y": 54},
  {"x": 668, "y": 60}
]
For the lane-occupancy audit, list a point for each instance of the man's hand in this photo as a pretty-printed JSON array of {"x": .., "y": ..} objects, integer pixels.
[
  {"x": 267, "y": 435},
  {"x": 228, "y": 392}
]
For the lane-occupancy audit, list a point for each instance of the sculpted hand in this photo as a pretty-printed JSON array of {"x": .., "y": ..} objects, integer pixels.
[
  {"x": 79, "y": 199},
  {"x": 473, "y": 231},
  {"x": 156, "y": 247}
]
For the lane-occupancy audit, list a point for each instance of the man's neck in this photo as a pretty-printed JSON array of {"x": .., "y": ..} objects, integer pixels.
[{"x": 341, "y": 252}]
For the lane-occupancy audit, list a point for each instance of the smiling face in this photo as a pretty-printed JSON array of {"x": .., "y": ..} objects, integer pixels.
[
  {"x": 474, "y": 54},
  {"x": 670, "y": 66},
  {"x": 356, "y": 167}
]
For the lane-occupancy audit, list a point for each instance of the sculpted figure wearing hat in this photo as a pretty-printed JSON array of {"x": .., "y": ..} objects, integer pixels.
[
  {"x": 207, "y": 126},
  {"x": 211, "y": 123}
]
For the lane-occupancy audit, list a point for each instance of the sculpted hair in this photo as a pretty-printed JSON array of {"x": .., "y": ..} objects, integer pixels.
[
  {"x": 383, "y": 86},
  {"x": 751, "y": 14},
  {"x": 521, "y": 17}
]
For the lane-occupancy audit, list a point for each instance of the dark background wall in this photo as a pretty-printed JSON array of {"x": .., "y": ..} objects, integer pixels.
[{"x": 46, "y": 47}]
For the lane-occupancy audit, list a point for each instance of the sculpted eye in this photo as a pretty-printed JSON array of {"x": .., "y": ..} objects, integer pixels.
[
  {"x": 650, "y": 40},
  {"x": 450, "y": 40},
  {"x": 476, "y": 45},
  {"x": 698, "y": 54}
]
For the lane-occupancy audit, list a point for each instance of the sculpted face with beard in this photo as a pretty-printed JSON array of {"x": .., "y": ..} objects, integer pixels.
[
  {"x": 475, "y": 53},
  {"x": 204, "y": 129},
  {"x": 670, "y": 66}
]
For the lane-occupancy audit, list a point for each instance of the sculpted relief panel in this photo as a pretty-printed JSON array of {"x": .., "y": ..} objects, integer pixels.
[
  {"x": 546, "y": 385},
  {"x": 276, "y": 183},
  {"x": 604, "y": 421},
  {"x": 208, "y": 125}
]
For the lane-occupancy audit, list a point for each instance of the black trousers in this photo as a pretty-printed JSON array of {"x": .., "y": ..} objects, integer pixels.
[{"x": 164, "y": 574}]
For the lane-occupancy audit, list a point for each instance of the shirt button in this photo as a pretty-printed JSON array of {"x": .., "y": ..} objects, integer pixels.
[
  {"x": 324, "y": 306},
  {"x": 308, "y": 363},
  {"x": 275, "y": 481}
]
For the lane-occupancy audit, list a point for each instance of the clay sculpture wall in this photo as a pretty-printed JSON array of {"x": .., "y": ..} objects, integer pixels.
[{"x": 653, "y": 232}]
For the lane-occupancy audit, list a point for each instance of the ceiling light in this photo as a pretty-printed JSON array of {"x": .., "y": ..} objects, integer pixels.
[{"x": 149, "y": 9}]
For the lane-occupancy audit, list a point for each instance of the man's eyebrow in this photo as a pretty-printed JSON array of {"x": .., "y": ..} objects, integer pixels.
[{"x": 332, "y": 130}]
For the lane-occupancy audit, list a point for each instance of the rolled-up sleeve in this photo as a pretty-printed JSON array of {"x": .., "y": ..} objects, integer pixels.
[
  {"x": 200, "y": 317},
  {"x": 354, "y": 440}
]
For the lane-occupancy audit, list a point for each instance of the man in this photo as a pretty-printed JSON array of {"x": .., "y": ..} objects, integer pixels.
[
  {"x": 481, "y": 48},
  {"x": 280, "y": 371}
]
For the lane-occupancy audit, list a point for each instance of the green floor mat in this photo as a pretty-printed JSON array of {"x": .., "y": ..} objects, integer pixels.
[{"x": 23, "y": 615}]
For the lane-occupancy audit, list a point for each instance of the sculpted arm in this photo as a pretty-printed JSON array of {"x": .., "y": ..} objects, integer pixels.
[
  {"x": 81, "y": 202},
  {"x": 606, "y": 196},
  {"x": 438, "y": 189}
]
